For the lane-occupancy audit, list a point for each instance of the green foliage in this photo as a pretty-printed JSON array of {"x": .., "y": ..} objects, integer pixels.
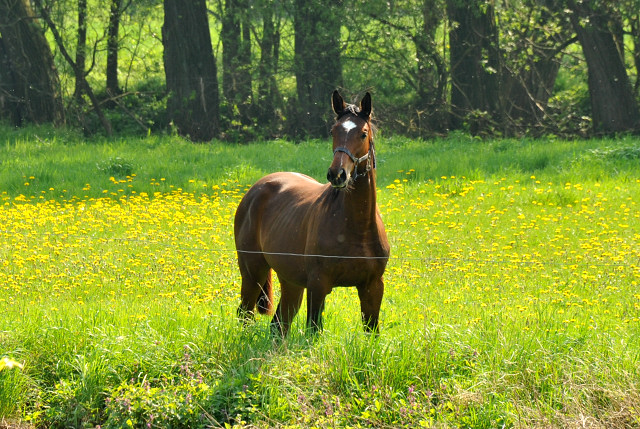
[
  {"x": 397, "y": 50},
  {"x": 139, "y": 112},
  {"x": 175, "y": 405},
  {"x": 623, "y": 153},
  {"x": 118, "y": 167},
  {"x": 15, "y": 387}
]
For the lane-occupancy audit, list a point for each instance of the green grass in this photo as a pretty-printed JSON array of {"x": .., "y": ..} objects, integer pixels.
[{"x": 511, "y": 296}]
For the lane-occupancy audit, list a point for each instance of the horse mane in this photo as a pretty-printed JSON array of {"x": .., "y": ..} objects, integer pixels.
[{"x": 349, "y": 109}]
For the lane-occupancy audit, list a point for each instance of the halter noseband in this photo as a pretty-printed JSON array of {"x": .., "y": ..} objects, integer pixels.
[{"x": 357, "y": 161}]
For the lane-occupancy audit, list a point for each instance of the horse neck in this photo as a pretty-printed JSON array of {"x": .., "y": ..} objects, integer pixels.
[{"x": 361, "y": 201}]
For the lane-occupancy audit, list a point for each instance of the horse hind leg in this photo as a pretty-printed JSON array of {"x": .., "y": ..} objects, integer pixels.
[
  {"x": 315, "y": 306},
  {"x": 265, "y": 298},
  {"x": 256, "y": 288},
  {"x": 290, "y": 301}
]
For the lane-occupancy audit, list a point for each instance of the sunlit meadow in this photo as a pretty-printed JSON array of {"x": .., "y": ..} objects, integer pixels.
[{"x": 511, "y": 299}]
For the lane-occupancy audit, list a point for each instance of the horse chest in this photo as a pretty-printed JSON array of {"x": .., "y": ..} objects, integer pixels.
[
  {"x": 346, "y": 257},
  {"x": 354, "y": 272}
]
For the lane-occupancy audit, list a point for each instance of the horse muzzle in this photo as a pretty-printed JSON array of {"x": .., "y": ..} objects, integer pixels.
[{"x": 339, "y": 178}]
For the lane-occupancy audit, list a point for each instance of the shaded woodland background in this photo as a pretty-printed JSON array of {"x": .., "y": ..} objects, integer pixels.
[{"x": 243, "y": 70}]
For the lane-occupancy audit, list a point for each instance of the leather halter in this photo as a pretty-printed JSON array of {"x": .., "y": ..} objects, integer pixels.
[
  {"x": 351, "y": 109},
  {"x": 357, "y": 161},
  {"x": 368, "y": 157}
]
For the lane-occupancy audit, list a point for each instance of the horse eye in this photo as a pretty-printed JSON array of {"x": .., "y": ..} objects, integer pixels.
[{"x": 364, "y": 135}]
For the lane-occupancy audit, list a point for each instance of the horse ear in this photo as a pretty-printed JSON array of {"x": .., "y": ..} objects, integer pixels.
[
  {"x": 337, "y": 102},
  {"x": 365, "y": 105}
]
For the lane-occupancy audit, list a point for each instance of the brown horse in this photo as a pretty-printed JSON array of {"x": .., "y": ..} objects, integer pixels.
[{"x": 316, "y": 236}]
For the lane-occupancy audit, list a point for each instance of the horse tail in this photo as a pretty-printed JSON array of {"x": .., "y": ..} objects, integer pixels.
[{"x": 265, "y": 299}]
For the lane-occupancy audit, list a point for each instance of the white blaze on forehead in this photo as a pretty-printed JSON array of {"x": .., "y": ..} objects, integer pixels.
[{"x": 348, "y": 125}]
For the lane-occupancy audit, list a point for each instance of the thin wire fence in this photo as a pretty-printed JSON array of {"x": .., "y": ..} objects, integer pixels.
[{"x": 393, "y": 258}]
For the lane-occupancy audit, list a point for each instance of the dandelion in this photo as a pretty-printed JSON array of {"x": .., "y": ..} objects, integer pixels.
[{"x": 6, "y": 363}]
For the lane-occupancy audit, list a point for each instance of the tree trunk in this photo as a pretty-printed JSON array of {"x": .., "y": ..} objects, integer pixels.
[
  {"x": 613, "y": 106},
  {"x": 475, "y": 64},
  {"x": 81, "y": 49},
  {"x": 317, "y": 64},
  {"x": 431, "y": 73},
  {"x": 236, "y": 57},
  {"x": 190, "y": 69},
  {"x": 29, "y": 81},
  {"x": 635, "y": 34},
  {"x": 9, "y": 103},
  {"x": 113, "y": 87},
  {"x": 268, "y": 95}
]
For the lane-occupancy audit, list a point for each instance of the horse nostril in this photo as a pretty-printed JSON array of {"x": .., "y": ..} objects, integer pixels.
[
  {"x": 343, "y": 175},
  {"x": 329, "y": 176}
]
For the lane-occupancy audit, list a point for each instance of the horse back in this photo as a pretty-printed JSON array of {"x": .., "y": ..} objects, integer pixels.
[{"x": 273, "y": 214}]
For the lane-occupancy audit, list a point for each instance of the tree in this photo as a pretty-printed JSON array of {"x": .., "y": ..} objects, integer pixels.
[
  {"x": 29, "y": 83},
  {"x": 317, "y": 64},
  {"x": 81, "y": 49},
  {"x": 9, "y": 102},
  {"x": 79, "y": 73},
  {"x": 405, "y": 44},
  {"x": 613, "y": 106},
  {"x": 532, "y": 44},
  {"x": 115, "y": 13},
  {"x": 236, "y": 57},
  {"x": 632, "y": 12},
  {"x": 269, "y": 99},
  {"x": 431, "y": 69},
  {"x": 474, "y": 65},
  {"x": 190, "y": 69}
]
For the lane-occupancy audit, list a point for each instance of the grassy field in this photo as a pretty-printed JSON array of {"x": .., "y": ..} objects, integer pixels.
[{"x": 512, "y": 295}]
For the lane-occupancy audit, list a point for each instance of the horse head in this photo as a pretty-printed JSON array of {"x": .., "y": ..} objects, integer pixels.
[{"x": 353, "y": 151}]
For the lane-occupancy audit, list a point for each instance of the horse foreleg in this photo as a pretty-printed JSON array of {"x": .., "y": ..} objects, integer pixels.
[
  {"x": 290, "y": 300},
  {"x": 315, "y": 306},
  {"x": 370, "y": 300}
]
